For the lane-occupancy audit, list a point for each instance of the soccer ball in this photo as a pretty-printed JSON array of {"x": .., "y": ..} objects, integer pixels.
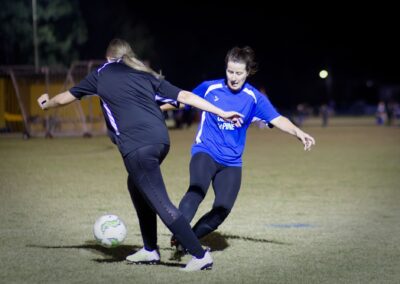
[{"x": 109, "y": 231}]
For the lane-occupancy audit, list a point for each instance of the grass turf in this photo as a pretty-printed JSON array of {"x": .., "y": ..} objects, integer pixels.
[{"x": 331, "y": 215}]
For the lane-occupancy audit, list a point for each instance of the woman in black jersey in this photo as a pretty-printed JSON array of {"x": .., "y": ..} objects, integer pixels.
[{"x": 128, "y": 90}]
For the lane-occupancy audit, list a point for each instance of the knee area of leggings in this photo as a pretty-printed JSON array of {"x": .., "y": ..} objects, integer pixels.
[
  {"x": 197, "y": 190},
  {"x": 221, "y": 212},
  {"x": 185, "y": 206}
]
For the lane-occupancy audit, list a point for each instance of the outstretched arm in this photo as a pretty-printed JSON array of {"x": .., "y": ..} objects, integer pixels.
[
  {"x": 286, "y": 125},
  {"x": 167, "y": 106},
  {"x": 193, "y": 100},
  {"x": 59, "y": 100}
]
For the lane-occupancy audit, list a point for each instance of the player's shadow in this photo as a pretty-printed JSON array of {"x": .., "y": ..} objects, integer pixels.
[
  {"x": 215, "y": 241},
  {"x": 109, "y": 255},
  {"x": 219, "y": 242}
]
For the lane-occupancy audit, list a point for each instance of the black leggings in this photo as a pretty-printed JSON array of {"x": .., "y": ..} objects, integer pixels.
[
  {"x": 226, "y": 184},
  {"x": 150, "y": 198}
]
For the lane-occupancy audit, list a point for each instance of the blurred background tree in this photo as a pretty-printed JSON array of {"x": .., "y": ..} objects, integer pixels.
[
  {"x": 124, "y": 19},
  {"x": 60, "y": 31}
]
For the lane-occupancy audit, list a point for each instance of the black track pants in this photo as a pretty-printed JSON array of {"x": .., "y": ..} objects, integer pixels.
[
  {"x": 226, "y": 184},
  {"x": 150, "y": 198}
]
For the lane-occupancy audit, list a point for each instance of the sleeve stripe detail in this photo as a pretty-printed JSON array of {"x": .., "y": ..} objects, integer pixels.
[
  {"x": 250, "y": 93},
  {"x": 213, "y": 87},
  {"x": 167, "y": 100}
]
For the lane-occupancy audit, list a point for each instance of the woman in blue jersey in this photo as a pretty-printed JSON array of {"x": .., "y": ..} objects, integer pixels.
[
  {"x": 128, "y": 90},
  {"x": 219, "y": 145}
]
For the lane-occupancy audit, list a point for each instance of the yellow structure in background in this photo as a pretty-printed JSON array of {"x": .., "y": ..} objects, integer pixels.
[
  {"x": 90, "y": 105},
  {"x": 11, "y": 116},
  {"x": 2, "y": 104}
]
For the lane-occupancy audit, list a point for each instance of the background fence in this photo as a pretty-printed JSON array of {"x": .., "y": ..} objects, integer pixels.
[{"x": 21, "y": 85}]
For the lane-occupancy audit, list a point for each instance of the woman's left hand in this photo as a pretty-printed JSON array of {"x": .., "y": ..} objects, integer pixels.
[
  {"x": 234, "y": 117},
  {"x": 306, "y": 139}
]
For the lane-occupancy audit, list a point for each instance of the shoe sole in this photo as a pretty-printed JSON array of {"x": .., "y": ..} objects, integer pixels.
[{"x": 207, "y": 266}]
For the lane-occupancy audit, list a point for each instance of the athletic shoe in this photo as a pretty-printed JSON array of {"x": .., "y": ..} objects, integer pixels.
[
  {"x": 144, "y": 256},
  {"x": 197, "y": 264}
]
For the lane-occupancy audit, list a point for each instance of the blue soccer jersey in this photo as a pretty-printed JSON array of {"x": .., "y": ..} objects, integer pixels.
[{"x": 221, "y": 139}]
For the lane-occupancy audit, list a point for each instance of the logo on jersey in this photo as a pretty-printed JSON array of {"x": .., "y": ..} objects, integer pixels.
[
  {"x": 216, "y": 99},
  {"x": 225, "y": 125}
]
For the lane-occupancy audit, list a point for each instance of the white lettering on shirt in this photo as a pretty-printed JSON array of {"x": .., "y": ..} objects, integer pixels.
[{"x": 225, "y": 125}]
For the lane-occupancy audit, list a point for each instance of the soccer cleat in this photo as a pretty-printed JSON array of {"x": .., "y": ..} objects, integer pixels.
[
  {"x": 178, "y": 252},
  {"x": 197, "y": 264},
  {"x": 144, "y": 256},
  {"x": 174, "y": 241}
]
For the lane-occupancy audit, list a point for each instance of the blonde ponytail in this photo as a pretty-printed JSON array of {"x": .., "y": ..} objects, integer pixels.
[
  {"x": 135, "y": 63},
  {"x": 120, "y": 49}
]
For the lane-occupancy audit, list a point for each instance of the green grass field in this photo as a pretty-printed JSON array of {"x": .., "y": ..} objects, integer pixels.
[{"x": 331, "y": 215}]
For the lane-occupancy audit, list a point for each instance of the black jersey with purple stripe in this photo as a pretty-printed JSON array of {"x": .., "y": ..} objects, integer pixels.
[{"x": 128, "y": 99}]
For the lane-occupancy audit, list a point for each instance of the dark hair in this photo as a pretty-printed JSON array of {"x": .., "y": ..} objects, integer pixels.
[{"x": 244, "y": 55}]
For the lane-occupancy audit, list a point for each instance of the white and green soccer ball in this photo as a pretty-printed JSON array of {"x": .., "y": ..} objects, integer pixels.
[{"x": 109, "y": 231}]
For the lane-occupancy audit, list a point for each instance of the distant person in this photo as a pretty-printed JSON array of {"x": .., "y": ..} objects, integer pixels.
[
  {"x": 324, "y": 112},
  {"x": 184, "y": 117},
  {"x": 396, "y": 112},
  {"x": 391, "y": 112},
  {"x": 128, "y": 90},
  {"x": 219, "y": 145},
  {"x": 381, "y": 114},
  {"x": 300, "y": 114}
]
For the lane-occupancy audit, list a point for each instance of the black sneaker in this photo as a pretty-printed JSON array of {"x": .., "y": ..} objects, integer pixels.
[{"x": 179, "y": 250}]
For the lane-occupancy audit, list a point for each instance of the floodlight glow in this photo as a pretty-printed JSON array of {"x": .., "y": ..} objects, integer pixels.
[{"x": 323, "y": 74}]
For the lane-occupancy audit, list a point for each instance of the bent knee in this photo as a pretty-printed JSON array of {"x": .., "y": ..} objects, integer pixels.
[
  {"x": 198, "y": 190},
  {"x": 221, "y": 212}
]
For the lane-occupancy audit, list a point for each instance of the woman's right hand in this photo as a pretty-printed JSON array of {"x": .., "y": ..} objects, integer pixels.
[{"x": 43, "y": 100}]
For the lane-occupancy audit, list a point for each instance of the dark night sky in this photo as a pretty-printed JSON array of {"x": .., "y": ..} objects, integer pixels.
[{"x": 190, "y": 43}]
